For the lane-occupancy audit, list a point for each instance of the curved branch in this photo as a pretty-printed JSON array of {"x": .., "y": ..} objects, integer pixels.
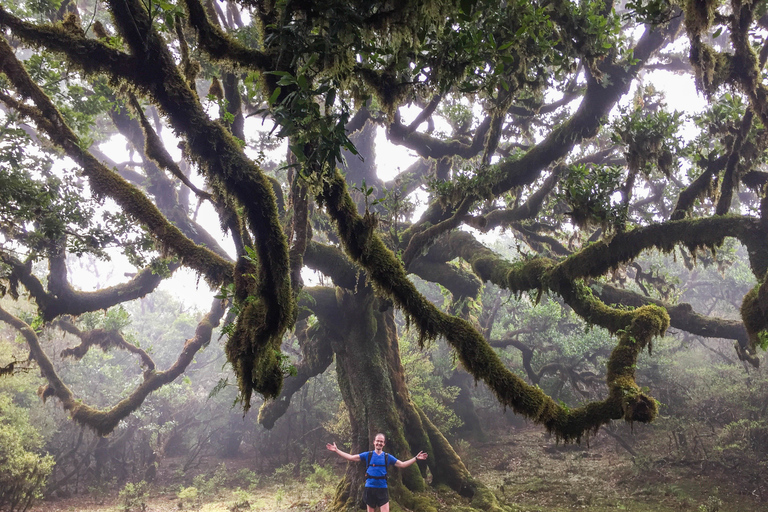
[
  {"x": 332, "y": 262},
  {"x": 456, "y": 280},
  {"x": 682, "y": 316},
  {"x": 317, "y": 356},
  {"x": 103, "y": 181},
  {"x": 625, "y": 399},
  {"x": 525, "y": 350},
  {"x": 302, "y": 231},
  {"x": 104, "y": 422},
  {"x": 530, "y": 208},
  {"x": 105, "y": 339},
  {"x": 154, "y": 149},
  {"x": 730, "y": 176},
  {"x": 420, "y": 242},
  {"x": 410, "y": 179},
  {"x": 71, "y": 302},
  {"x": 601, "y": 256},
  {"x": 220, "y": 46},
  {"x": 425, "y": 113},
  {"x": 430, "y": 147},
  {"x": 64, "y": 37}
]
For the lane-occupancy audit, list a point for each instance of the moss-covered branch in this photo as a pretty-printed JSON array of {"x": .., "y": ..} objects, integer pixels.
[
  {"x": 458, "y": 281},
  {"x": 316, "y": 357},
  {"x": 301, "y": 231},
  {"x": 682, "y": 316},
  {"x": 637, "y": 327},
  {"x": 104, "y": 421},
  {"x": 103, "y": 181},
  {"x": 754, "y": 312},
  {"x": 102, "y": 338},
  {"x": 332, "y": 262},
  {"x": 254, "y": 346},
  {"x": 219, "y": 45},
  {"x": 73, "y": 302},
  {"x": 598, "y": 258},
  {"x": 68, "y": 37}
]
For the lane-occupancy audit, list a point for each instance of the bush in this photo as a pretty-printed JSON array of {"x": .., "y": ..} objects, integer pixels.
[
  {"x": 23, "y": 472},
  {"x": 188, "y": 496},
  {"x": 212, "y": 486},
  {"x": 134, "y": 497},
  {"x": 242, "y": 502}
]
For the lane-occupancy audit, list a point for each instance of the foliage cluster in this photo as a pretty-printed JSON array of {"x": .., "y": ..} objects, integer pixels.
[{"x": 23, "y": 470}]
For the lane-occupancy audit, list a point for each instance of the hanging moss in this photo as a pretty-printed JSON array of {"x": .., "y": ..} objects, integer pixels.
[
  {"x": 754, "y": 309},
  {"x": 215, "y": 89},
  {"x": 699, "y": 15},
  {"x": 713, "y": 68}
]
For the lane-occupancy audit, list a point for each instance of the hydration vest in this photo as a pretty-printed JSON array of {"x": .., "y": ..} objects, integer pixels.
[{"x": 386, "y": 464}]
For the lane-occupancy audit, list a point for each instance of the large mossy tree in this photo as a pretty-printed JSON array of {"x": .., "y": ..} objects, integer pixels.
[{"x": 520, "y": 116}]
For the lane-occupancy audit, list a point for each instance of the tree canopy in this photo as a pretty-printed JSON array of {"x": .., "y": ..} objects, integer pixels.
[{"x": 542, "y": 120}]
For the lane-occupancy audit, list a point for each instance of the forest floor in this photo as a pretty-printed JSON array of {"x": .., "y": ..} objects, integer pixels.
[{"x": 526, "y": 468}]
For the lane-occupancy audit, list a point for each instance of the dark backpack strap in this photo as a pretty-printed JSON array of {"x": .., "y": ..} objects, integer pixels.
[{"x": 386, "y": 463}]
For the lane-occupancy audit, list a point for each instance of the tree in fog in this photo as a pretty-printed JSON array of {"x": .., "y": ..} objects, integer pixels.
[{"x": 513, "y": 109}]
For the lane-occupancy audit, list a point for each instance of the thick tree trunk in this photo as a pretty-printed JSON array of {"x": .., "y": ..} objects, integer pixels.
[{"x": 372, "y": 382}]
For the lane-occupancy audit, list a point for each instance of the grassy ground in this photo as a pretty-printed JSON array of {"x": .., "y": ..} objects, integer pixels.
[
  {"x": 534, "y": 474},
  {"x": 527, "y": 470}
]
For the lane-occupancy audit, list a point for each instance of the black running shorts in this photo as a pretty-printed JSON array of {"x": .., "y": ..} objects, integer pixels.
[{"x": 375, "y": 496}]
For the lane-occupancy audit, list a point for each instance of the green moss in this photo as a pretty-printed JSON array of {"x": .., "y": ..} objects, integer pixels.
[
  {"x": 342, "y": 501},
  {"x": 417, "y": 502},
  {"x": 753, "y": 314},
  {"x": 713, "y": 68},
  {"x": 484, "y": 499},
  {"x": 699, "y": 15},
  {"x": 528, "y": 275}
]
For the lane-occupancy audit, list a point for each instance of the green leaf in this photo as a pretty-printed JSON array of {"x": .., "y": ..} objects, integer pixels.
[
  {"x": 330, "y": 98},
  {"x": 274, "y": 96}
]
